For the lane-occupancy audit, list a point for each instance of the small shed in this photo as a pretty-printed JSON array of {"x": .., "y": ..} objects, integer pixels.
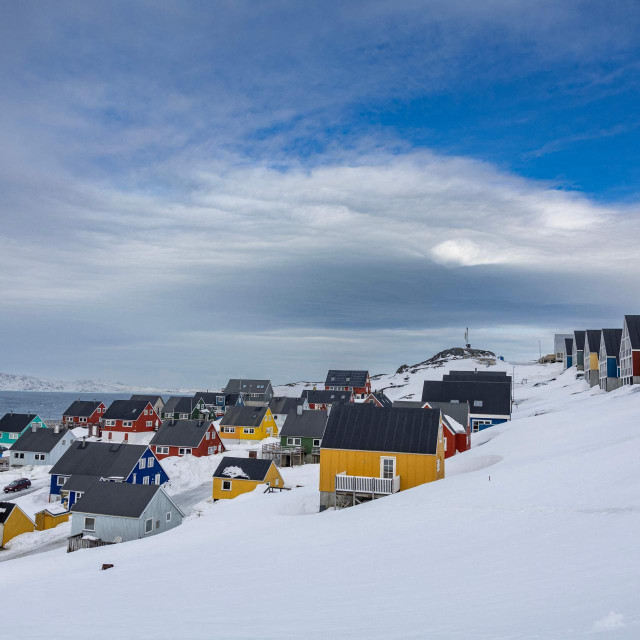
[
  {"x": 51, "y": 517},
  {"x": 235, "y": 476},
  {"x": 13, "y": 522},
  {"x": 121, "y": 511}
]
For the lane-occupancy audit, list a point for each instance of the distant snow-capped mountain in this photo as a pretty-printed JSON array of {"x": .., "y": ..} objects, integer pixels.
[{"x": 13, "y": 382}]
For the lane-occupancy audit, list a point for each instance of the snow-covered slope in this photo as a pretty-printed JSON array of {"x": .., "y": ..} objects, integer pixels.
[{"x": 532, "y": 534}]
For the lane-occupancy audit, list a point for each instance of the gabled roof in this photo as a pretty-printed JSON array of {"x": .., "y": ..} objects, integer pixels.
[
  {"x": 209, "y": 397},
  {"x": 346, "y": 378},
  {"x": 153, "y": 398},
  {"x": 459, "y": 411},
  {"x": 320, "y": 396},
  {"x": 125, "y": 409},
  {"x": 174, "y": 402},
  {"x": 283, "y": 404},
  {"x": 568, "y": 345},
  {"x": 309, "y": 424},
  {"x": 408, "y": 404},
  {"x": 82, "y": 408},
  {"x": 121, "y": 499},
  {"x": 453, "y": 425},
  {"x": 41, "y": 440},
  {"x": 242, "y": 468},
  {"x": 477, "y": 376},
  {"x": 181, "y": 433},
  {"x": 611, "y": 339},
  {"x": 381, "y": 398},
  {"x": 365, "y": 427},
  {"x": 593, "y": 340},
  {"x": 633, "y": 327},
  {"x": 579, "y": 339},
  {"x": 243, "y": 385},
  {"x": 16, "y": 422},
  {"x": 495, "y": 396},
  {"x": 237, "y": 416},
  {"x": 5, "y": 510},
  {"x": 79, "y": 482},
  {"x": 99, "y": 459}
]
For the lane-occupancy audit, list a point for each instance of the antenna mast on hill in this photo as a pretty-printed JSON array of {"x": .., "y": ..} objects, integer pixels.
[{"x": 466, "y": 338}]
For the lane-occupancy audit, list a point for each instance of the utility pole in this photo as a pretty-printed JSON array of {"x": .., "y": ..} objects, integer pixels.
[{"x": 540, "y": 349}]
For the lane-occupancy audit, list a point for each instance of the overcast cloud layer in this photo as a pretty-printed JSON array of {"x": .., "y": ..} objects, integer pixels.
[{"x": 271, "y": 189}]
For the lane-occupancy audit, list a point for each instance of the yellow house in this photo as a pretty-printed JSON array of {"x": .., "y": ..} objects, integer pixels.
[
  {"x": 368, "y": 452},
  {"x": 248, "y": 423},
  {"x": 13, "y": 522},
  {"x": 235, "y": 476},
  {"x": 52, "y": 516}
]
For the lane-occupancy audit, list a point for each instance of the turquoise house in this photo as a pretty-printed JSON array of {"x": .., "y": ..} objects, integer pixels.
[{"x": 13, "y": 425}]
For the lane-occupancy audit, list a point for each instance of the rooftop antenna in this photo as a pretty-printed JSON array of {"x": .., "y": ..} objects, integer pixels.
[{"x": 466, "y": 338}]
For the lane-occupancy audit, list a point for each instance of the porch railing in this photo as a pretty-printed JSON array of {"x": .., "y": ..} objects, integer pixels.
[{"x": 363, "y": 484}]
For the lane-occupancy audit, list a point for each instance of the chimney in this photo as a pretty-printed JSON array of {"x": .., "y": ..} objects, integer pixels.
[
  {"x": 56, "y": 429},
  {"x": 299, "y": 409}
]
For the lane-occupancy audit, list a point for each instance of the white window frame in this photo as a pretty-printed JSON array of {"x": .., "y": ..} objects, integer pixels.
[
  {"x": 317, "y": 442},
  {"x": 185, "y": 451},
  {"x": 148, "y": 530},
  {"x": 145, "y": 480},
  {"x": 127, "y": 423},
  {"x": 249, "y": 431},
  {"x": 40, "y": 456},
  {"x": 228, "y": 429},
  {"x": 384, "y": 459},
  {"x": 477, "y": 403},
  {"x": 61, "y": 480},
  {"x": 226, "y": 482},
  {"x": 109, "y": 423},
  {"x": 184, "y": 416},
  {"x": 142, "y": 464},
  {"x": 437, "y": 465},
  {"x": 85, "y": 527},
  {"x": 294, "y": 441},
  {"x": 211, "y": 450},
  {"x": 150, "y": 462},
  {"x": 158, "y": 478},
  {"x": 149, "y": 423},
  {"x": 161, "y": 450}
]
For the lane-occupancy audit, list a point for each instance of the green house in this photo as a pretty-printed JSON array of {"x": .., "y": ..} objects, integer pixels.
[
  {"x": 185, "y": 408},
  {"x": 305, "y": 428},
  {"x": 13, "y": 425}
]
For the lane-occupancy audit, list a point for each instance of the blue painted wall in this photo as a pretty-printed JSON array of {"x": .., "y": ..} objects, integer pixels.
[{"x": 482, "y": 427}]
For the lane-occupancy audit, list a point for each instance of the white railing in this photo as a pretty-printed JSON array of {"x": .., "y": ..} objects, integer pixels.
[{"x": 363, "y": 484}]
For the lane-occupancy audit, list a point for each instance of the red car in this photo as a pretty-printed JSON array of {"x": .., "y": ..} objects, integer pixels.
[{"x": 18, "y": 485}]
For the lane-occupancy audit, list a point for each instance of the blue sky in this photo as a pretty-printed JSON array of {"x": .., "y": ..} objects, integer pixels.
[{"x": 193, "y": 191}]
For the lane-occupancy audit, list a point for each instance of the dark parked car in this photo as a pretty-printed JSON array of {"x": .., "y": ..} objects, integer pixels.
[{"x": 18, "y": 485}]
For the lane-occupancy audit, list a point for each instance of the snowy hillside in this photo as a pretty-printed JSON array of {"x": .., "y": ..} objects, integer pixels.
[{"x": 532, "y": 534}]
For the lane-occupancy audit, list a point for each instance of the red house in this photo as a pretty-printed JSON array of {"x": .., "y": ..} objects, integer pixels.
[
  {"x": 379, "y": 399},
  {"x": 129, "y": 421},
  {"x": 186, "y": 437},
  {"x": 457, "y": 428},
  {"x": 347, "y": 380},
  {"x": 320, "y": 400},
  {"x": 85, "y": 413}
]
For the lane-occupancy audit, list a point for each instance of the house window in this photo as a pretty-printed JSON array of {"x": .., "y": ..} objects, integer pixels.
[
  {"x": 13, "y": 436},
  {"x": 477, "y": 403},
  {"x": 110, "y": 423},
  {"x": 83, "y": 419},
  {"x": 68, "y": 419},
  {"x": 277, "y": 482},
  {"x": 61, "y": 481},
  {"x": 143, "y": 463},
  {"x": 158, "y": 478},
  {"x": 184, "y": 451},
  {"x": 293, "y": 440},
  {"x": 150, "y": 462},
  {"x": 39, "y": 456},
  {"x": 134, "y": 478},
  {"x": 184, "y": 416},
  {"x": 228, "y": 429},
  {"x": 127, "y": 423},
  {"x": 89, "y": 524},
  {"x": 148, "y": 525},
  {"x": 162, "y": 449},
  {"x": 149, "y": 423},
  {"x": 387, "y": 467},
  {"x": 316, "y": 442},
  {"x": 208, "y": 436},
  {"x": 78, "y": 495},
  {"x": 145, "y": 480},
  {"x": 168, "y": 517},
  {"x": 211, "y": 450},
  {"x": 226, "y": 485},
  {"x": 249, "y": 430},
  {"x": 145, "y": 412}
]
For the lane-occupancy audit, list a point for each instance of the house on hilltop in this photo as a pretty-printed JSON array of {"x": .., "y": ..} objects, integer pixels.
[{"x": 356, "y": 381}]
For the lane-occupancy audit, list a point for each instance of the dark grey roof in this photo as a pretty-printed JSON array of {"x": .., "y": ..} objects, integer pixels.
[
  {"x": 568, "y": 345},
  {"x": 82, "y": 408},
  {"x": 612, "y": 339},
  {"x": 408, "y": 404},
  {"x": 125, "y": 409},
  {"x": 181, "y": 433},
  {"x": 381, "y": 398},
  {"x": 5, "y": 511},
  {"x": 39, "y": 441},
  {"x": 243, "y": 416},
  {"x": 173, "y": 403},
  {"x": 78, "y": 482},
  {"x": 153, "y": 398},
  {"x": 365, "y": 427},
  {"x": 236, "y": 385},
  {"x": 310, "y": 424},
  {"x": 495, "y": 396},
  {"x": 477, "y": 376},
  {"x": 593, "y": 340},
  {"x": 210, "y": 397},
  {"x": 633, "y": 327},
  {"x": 320, "y": 396},
  {"x": 16, "y": 422},
  {"x": 283, "y": 404},
  {"x": 459, "y": 411},
  {"x": 121, "y": 499},
  {"x": 251, "y": 468},
  {"x": 99, "y": 459},
  {"x": 579, "y": 340},
  {"x": 346, "y": 378},
  {"x": 231, "y": 399}
]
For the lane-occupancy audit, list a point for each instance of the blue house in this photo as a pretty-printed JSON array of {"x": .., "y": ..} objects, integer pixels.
[
  {"x": 568, "y": 352},
  {"x": 85, "y": 463},
  {"x": 609, "y": 359},
  {"x": 13, "y": 425}
]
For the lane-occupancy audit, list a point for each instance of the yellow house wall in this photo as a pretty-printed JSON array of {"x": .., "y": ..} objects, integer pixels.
[
  {"x": 260, "y": 431},
  {"x": 239, "y": 486},
  {"x": 413, "y": 469},
  {"x": 49, "y": 521},
  {"x": 593, "y": 362},
  {"x": 17, "y": 524}
]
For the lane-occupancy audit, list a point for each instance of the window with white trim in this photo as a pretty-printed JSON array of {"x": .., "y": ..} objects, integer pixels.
[
  {"x": 18, "y": 456},
  {"x": 184, "y": 416},
  {"x": 149, "y": 423},
  {"x": 316, "y": 442},
  {"x": 127, "y": 423},
  {"x": 40, "y": 457},
  {"x": 145, "y": 480},
  {"x": 212, "y": 450},
  {"x": 89, "y": 524},
  {"x": 293, "y": 441},
  {"x": 61, "y": 480},
  {"x": 477, "y": 403},
  {"x": 184, "y": 451},
  {"x": 143, "y": 463},
  {"x": 249, "y": 430},
  {"x": 110, "y": 423},
  {"x": 148, "y": 525},
  {"x": 387, "y": 467},
  {"x": 228, "y": 429},
  {"x": 158, "y": 478},
  {"x": 226, "y": 485},
  {"x": 150, "y": 462},
  {"x": 438, "y": 465},
  {"x": 162, "y": 449}
]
